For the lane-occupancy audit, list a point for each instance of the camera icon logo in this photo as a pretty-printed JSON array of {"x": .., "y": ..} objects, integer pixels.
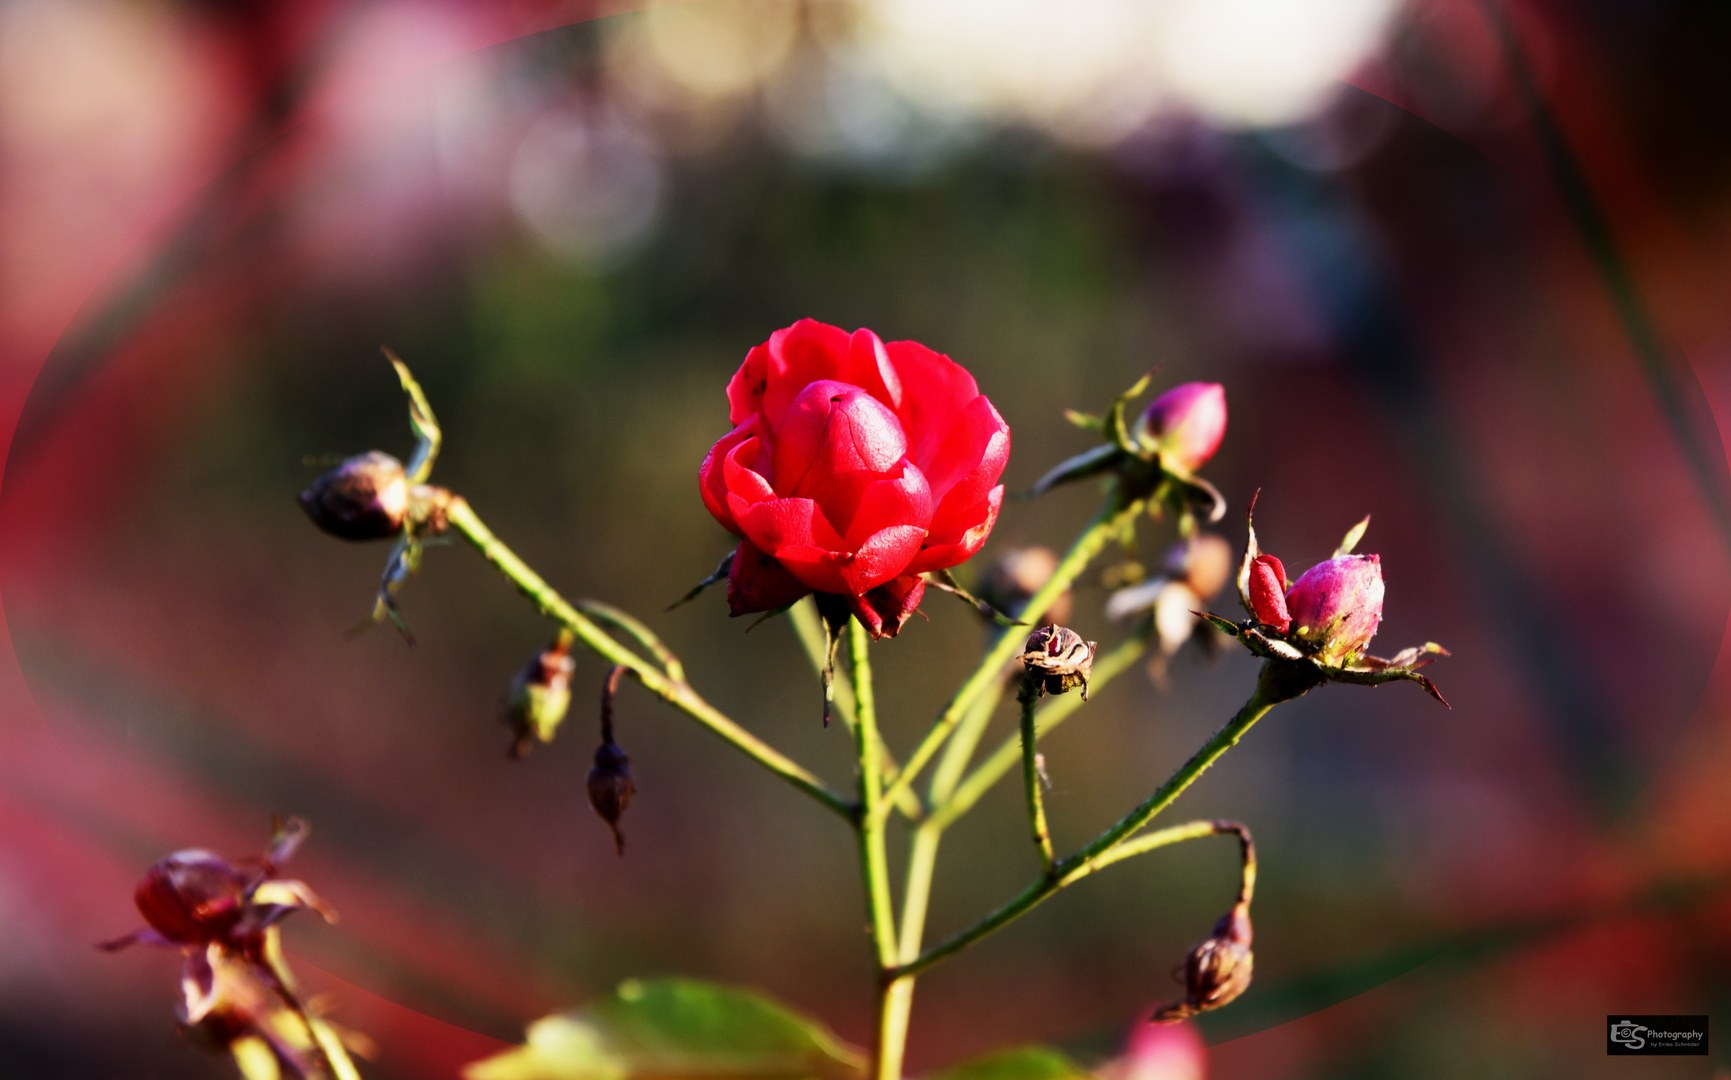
[{"x": 1628, "y": 1033}]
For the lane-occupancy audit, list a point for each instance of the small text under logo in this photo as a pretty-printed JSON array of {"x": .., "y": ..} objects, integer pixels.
[{"x": 1639, "y": 1035}]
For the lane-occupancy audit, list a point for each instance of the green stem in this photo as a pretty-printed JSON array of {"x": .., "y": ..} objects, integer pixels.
[
  {"x": 949, "y": 807},
  {"x": 808, "y": 627},
  {"x": 677, "y": 693},
  {"x": 1105, "y": 525},
  {"x": 960, "y": 749},
  {"x": 619, "y": 619},
  {"x": 874, "y": 864},
  {"x": 1029, "y": 698},
  {"x": 1271, "y": 688}
]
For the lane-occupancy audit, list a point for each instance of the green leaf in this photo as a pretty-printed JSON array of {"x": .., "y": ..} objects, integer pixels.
[
  {"x": 1353, "y": 536},
  {"x": 1021, "y": 1063},
  {"x": 1090, "y": 462},
  {"x": 672, "y": 1028},
  {"x": 1116, "y": 431}
]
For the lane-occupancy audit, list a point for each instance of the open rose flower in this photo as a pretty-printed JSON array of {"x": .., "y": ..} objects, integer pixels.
[{"x": 854, "y": 466}]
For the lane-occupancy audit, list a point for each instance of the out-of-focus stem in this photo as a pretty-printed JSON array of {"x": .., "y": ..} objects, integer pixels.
[
  {"x": 1104, "y": 527},
  {"x": 1268, "y": 692},
  {"x": 1029, "y": 696},
  {"x": 462, "y": 517},
  {"x": 948, "y": 807}
]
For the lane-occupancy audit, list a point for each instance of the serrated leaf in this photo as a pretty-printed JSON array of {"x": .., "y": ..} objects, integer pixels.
[
  {"x": 1353, "y": 536},
  {"x": 666, "y": 1028},
  {"x": 1021, "y": 1063}
]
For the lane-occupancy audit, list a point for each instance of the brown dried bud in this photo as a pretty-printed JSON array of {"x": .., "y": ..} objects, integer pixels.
[
  {"x": 1058, "y": 660},
  {"x": 610, "y": 784},
  {"x": 540, "y": 695},
  {"x": 364, "y": 498},
  {"x": 611, "y": 788},
  {"x": 1217, "y": 970}
]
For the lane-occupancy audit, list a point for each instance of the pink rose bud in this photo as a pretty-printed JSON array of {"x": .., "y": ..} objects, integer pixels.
[
  {"x": 364, "y": 498},
  {"x": 1336, "y": 606},
  {"x": 1186, "y": 424},
  {"x": 1268, "y": 593}
]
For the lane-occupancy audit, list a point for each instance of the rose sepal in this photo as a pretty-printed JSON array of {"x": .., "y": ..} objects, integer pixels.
[{"x": 1364, "y": 670}]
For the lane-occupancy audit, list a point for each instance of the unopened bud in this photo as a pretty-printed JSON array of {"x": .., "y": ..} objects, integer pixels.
[
  {"x": 1337, "y": 606},
  {"x": 364, "y": 498},
  {"x": 610, "y": 783},
  {"x": 1058, "y": 660},
  {"x": 1268, "y": 593},
  {"x": 1217, "y": 970},
  {"x": 1185, "y": 424},
  {"x": 540, "y": 695},
  {"x": 192, "y": 897}
]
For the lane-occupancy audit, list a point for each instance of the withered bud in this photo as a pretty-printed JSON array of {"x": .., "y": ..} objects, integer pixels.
[
  {"x": 364, "y": 498},
  {"x": 1058, "y": 660},
  {"x": 1015, "y": 576},
  {"x": 610, "y": 783},
  {"x": 540, "y": 695},
  {"x": 1217, "y": 970},
  {"x": 611, "y": 788}
]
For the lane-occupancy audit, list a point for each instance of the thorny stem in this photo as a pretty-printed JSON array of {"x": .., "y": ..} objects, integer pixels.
[
  {"x": 1029, "y": 697},
  {"x": 675, "y": 691},
  {"x": 1273, "y": 686},
  {"x": 1107, "y": 524}
]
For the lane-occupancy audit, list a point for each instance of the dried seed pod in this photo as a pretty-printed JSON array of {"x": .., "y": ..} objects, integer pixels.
[
  {"x": 364, "y": 498},
  {"x": 1217, "y": 970},
  {"x": 541, "y": 695},
  {"x": 1058, "y": 660},
  {"x": 610, "y": 783}
]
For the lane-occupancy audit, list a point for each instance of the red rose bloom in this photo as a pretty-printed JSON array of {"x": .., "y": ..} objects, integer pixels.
[{"x": 854, "y": 466}]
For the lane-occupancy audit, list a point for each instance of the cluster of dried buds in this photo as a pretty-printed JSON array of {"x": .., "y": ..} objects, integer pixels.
[
  {"x": 1324, "y": 621},
  {"x": 1194, "y": 572},
  {"x": 237, "y": 993}
]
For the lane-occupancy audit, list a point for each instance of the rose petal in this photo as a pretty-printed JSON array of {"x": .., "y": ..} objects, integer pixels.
[
  {"x": 775, "y": 524},
  {"x": 967, "y": 464},
  {"x": 870, "y": 368},
  {"x": 884, "y": 610},
  {"x": 740, "y": 480},
  {"x": 940, "y": 555},
  {"x": 834, "y": 427},
  {"x": 884, "y": 555},
  {"x": 759, "y": 583},
  {"x": 943, "y": 388},
  {"x": 712, "y": 475},
  {"x": 905, "y": 500}
]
